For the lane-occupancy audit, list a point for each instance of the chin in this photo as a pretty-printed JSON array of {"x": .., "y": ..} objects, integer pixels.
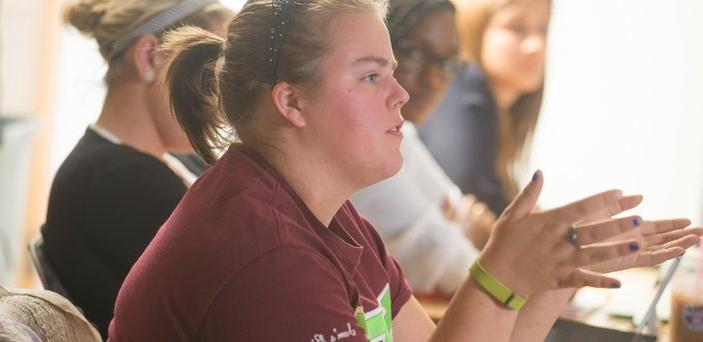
[
  {"x": 378, "y": 170},
  {"x": 387, "y": 170},
  {"x": 392, "y": 166},
  {"x": 531, "y": 84}
]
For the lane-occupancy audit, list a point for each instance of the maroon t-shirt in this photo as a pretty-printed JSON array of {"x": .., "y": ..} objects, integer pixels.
[{"x": 242, "y": 258}]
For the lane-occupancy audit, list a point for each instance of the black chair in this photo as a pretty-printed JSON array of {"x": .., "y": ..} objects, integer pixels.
[{"x": 48, "y": 278}]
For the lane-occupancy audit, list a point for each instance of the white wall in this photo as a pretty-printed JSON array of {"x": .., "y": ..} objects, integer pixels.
[
  {"x": 624, "y": 103},
  {"x": 21, "y": 25}
]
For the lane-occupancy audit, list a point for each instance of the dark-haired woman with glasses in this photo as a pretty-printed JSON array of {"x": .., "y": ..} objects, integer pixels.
[{"x": 428, "y": 224}]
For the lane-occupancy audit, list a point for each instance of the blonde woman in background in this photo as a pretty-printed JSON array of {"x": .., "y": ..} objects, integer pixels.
[
  {"x": 117, "y": 186},
  {"x": 481, "y": 131}
]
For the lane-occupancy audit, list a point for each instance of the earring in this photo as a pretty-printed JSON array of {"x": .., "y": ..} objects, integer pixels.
[{"x": 149, "y": 76}]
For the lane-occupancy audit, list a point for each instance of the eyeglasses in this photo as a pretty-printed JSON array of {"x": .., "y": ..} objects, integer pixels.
[{"x": 417, "y": 60}]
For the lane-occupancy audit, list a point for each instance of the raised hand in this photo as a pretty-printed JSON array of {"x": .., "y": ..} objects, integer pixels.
[{"x": 533, "y": 252}]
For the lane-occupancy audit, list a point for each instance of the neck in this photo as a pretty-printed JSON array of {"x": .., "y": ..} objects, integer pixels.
[
  {"x": 126, "y": 115},
  {"x": 312, "y": 179},
  {"x": 505, "y": 95}
]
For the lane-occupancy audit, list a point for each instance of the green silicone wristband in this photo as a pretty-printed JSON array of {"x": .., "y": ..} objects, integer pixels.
[{"x": 495, "y": 288}]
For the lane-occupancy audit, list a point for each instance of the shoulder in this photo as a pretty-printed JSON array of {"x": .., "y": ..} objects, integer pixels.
[
  {"x": 97, "y": 159},
  {"x": 296, "y": 264},
  {"x": 471, "y": 75},
  {"x": 233, "y": 220},
  {"x": 104, "y": 175},
  {"x": 470, "y": 88},
  {"x": 468, "y": 102}
]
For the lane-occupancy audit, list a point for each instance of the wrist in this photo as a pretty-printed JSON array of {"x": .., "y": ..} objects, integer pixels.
[
  {"x": 495, "y": 288},
  {"x": 500, "y": 268}
]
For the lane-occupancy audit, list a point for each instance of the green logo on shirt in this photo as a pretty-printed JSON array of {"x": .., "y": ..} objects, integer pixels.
[{"x": 377, "y": 323}]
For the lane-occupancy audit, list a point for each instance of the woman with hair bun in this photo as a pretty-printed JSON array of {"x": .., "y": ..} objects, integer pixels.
[{"x": 118, "y": 185}]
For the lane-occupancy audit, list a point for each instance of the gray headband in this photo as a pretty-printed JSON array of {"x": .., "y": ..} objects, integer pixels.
[{"x": 159, "y": 22}]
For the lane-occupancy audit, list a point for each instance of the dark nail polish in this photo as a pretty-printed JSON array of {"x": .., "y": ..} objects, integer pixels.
[
  {"x": 634, "y": 247},
  {"x": 615, "y": 286},
  {"x": 636, "y": 221},
  {"x": 535, "y": 176}
]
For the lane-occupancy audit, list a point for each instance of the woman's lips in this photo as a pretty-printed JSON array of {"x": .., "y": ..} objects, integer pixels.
[{"x": 396, "y": 130}]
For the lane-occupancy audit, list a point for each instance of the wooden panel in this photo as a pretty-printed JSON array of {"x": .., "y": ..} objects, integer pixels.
[{"x": 44, "y": 106}]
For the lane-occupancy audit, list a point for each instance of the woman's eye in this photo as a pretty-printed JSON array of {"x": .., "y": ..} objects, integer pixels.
[{"x": 370, "y": 77}]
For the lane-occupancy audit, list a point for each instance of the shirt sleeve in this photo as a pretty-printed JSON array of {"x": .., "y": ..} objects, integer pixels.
[{"x": 288, "y": 294}]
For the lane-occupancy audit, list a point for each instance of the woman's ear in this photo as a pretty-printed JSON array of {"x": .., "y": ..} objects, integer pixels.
[
  {"x": 287, "y": 101},
  {"x": 142, "y": 55}
]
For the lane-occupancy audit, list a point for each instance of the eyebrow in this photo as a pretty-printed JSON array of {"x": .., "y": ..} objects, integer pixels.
[{"x": 375, "y": 59}]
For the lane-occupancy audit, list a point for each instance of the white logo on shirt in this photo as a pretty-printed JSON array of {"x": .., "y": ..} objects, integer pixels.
[
  {"x": 376, "y": 324},
  {"x": 336, "y": 335}
]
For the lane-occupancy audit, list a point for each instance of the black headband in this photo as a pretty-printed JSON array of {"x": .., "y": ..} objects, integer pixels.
[{"x": 282, "y": 14}]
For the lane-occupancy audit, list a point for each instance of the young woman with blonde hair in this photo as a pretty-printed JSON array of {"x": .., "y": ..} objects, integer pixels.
[
  {"x": 118, "y": 185},
  {"x": 265, "y": 246},
  {"x": 481, "y": 133}
]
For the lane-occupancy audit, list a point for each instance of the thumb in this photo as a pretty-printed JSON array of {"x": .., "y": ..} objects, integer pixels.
[{"x": 526, "y": 200}]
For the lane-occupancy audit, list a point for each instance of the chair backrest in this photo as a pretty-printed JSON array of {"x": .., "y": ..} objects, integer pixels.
[
  {"x": 48, "y": 278},
  {"x": 41, "y": 315}
]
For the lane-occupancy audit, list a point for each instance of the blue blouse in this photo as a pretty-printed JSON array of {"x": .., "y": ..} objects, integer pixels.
[{"x": 462, "y": 135}]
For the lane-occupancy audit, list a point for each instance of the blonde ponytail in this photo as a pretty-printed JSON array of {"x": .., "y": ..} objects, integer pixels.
[{"x": 191, "y": 79}]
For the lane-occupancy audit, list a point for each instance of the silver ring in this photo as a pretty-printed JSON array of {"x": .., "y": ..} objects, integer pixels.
[{"x": 572, "y": 237}]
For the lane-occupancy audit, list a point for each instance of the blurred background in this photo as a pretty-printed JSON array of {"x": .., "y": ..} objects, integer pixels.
[
  {"x": 623, "y": 108},
  {"x": 624, "y": 104}
]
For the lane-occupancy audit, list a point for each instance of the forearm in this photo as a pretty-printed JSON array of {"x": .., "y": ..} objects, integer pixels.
[
  {"x": 474, "y": 315},
  {"x": 539, "y": 314}
]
